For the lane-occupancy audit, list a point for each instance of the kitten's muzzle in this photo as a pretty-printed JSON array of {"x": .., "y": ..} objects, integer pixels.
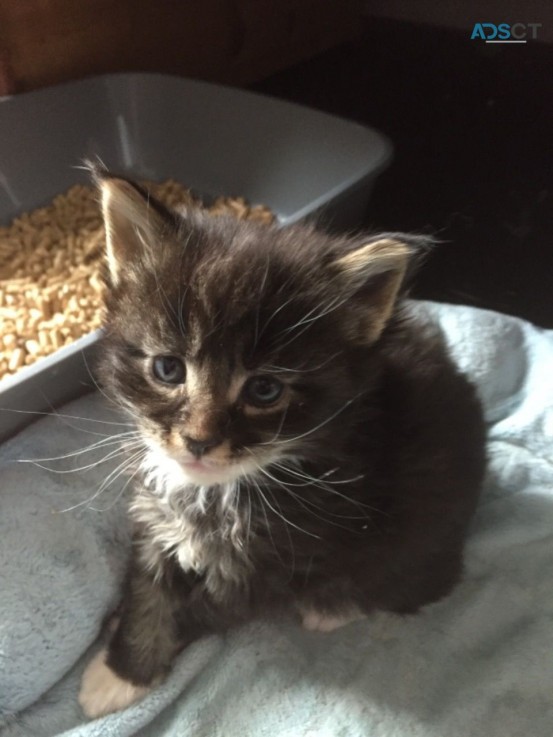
[{"x": 200, "y": 446}]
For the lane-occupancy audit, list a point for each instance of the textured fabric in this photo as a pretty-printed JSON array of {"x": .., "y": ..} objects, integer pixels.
[{"x": 478, "y": 663}]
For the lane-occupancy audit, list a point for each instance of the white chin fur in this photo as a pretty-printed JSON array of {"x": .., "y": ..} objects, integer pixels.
[
  {"x": 217, "y": 476},
  {"x": 166, "y": 475}
]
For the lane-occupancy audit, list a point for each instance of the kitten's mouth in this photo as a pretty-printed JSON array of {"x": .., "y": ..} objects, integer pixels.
[
  {"x": 206, "y": 471},
  {"x": 183, "y": 469}
]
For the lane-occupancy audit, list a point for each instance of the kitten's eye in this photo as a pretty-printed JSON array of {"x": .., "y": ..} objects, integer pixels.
[
  {"x": 262, "y": 391},
  {"x": 168, "y": 369}
]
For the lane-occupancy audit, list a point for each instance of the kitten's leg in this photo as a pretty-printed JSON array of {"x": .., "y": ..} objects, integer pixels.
[
  {"x": 142, "y": 648},
  {"x": 418, "y": 584}
]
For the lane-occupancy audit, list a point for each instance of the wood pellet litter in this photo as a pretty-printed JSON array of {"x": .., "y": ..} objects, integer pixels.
[{"x": 50, "y": 289}]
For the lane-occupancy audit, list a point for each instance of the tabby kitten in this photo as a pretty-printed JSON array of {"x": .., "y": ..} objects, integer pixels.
[{"x": 308, "y": 447}]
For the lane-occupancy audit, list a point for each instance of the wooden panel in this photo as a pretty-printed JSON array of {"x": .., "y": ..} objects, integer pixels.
[{"x": 238, "y": 41}]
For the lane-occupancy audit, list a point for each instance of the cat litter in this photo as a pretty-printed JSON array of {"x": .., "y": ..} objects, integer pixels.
[{"x": 50, "y": 289}]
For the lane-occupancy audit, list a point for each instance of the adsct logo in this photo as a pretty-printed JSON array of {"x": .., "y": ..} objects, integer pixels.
[{"x": 505, "y": 33}]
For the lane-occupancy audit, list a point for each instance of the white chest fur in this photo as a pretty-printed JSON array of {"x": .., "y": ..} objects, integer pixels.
[
  {"x": 201, "y": 527},
  {"x": 166, "y": 531}
]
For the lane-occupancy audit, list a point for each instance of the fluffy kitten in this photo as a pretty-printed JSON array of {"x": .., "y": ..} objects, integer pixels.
[{"x": 307, "y": 446}]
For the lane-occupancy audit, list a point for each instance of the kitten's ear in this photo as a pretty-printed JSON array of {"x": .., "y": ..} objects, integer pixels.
[
  {"x": 372, "y": 276},
  {"x": 134, "y": 222}
]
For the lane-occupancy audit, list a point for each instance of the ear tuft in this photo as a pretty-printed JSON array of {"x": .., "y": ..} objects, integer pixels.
[
  {"x": 133, "y": 221},
  {"x": 97, "y": 169},
  {"x": 372, "y": 276},
  {"x": 378, "y": 257}
]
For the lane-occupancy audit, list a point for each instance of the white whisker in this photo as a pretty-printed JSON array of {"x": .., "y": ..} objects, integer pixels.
[
  {"x": 318, "y": 479},
  {"x": 124, "y": 466},
  {"x": 267, "y": 523},
  {"x": 289, "y": 536},
  {"x": 355, "y": 502},
  {"x": 331, "y": 306},
  {"x": 271, "y": 367},
  {"x": 62, "y": 416},
  {"x": 279, "y": 428},
  {"x": 275, "y": 313},
  {"x": 118, "y": 405},
  {"x": 304, "y": 502},
  {"x": 317, "y": 427},
  {"x": 118, "y": 470},
  {"x": 135, "y": 458},
  {"x": 108, "y": 457},
  {"x": 307, "y": 319},
  {"x": 261, "y": 288},
  {"x": 314, "y": 482},
  {"x": 100, "y": 444},
  {"x": 282, "y": 517}
]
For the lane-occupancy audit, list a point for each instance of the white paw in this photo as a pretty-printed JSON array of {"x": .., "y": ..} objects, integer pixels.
[
  {"x": 102, "y": 691},
  {"x": 319, "y": 622}
]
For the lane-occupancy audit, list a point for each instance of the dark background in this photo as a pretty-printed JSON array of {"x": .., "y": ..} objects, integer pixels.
[{"x": 472, "y": 127}]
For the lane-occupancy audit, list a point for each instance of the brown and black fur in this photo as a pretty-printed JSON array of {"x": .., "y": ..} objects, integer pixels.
[{"x": 383, "y": 437}]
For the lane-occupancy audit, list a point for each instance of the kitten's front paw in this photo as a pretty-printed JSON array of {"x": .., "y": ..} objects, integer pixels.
[
  {"x": 103, "y": 691},
  {"x": 319, "y": 622}
]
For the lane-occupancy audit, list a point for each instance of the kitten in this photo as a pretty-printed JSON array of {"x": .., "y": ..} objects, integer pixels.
[{"x": 307, "y": 446}]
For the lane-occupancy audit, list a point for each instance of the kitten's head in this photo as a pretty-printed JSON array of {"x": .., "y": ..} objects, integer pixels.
[{"x": 237, "y": 345}]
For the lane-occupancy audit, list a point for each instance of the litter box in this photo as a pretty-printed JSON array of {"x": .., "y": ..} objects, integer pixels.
[{"x": 217, "y": 140}]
